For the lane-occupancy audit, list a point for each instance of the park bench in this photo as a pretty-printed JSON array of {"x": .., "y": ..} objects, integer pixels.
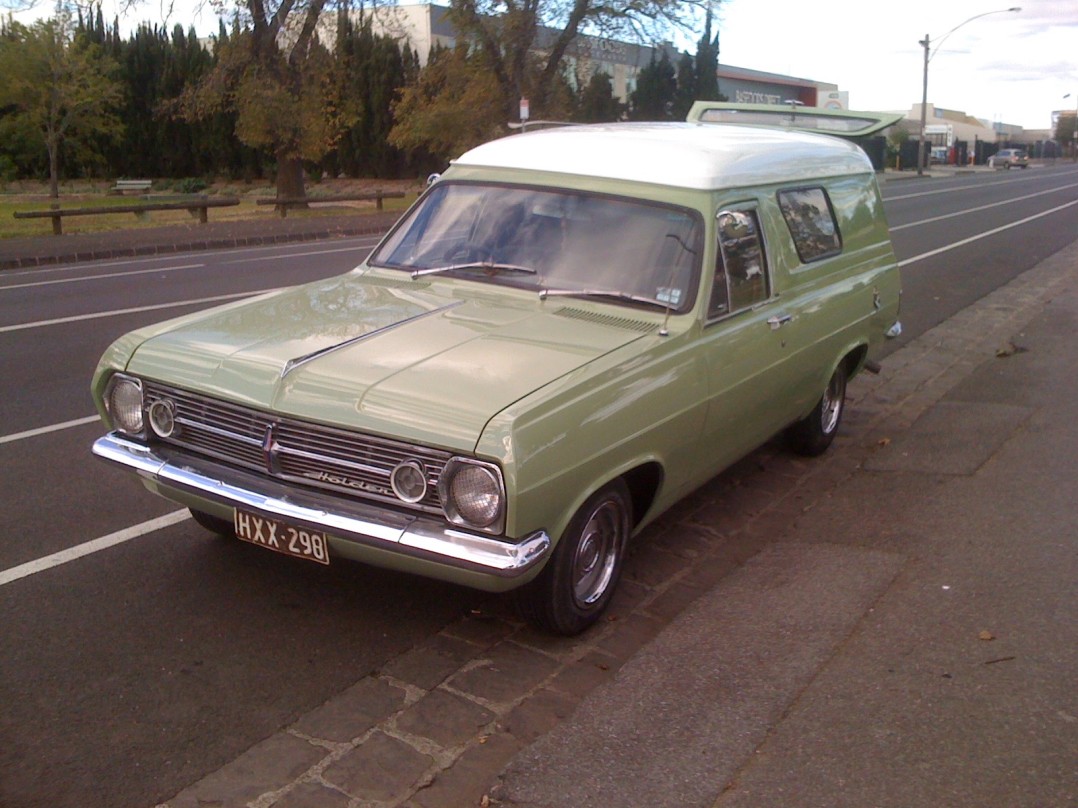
[
  {"x": 196, "y": 206},
  {"x": 283, "y": 203},
  {"x": 122, "y": 186}
]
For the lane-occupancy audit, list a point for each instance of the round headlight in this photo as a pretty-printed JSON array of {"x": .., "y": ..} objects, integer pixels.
[
  {"x": 124, "y": 401},
  {"x": 163, "y": 417},
  {"x": 409, "y": 481},
  {"x": 475, "y": 494}
]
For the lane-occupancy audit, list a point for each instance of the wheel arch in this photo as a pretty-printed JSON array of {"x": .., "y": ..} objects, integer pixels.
[
  {"x": 854, "y": 359},
  {"x": 644, "y": 482}
]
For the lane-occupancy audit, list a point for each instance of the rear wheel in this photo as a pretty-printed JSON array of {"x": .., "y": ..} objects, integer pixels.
[
  {"x": 578, "y": 582},
  {"x": 813, "y": 434},
  {"x": 214, "y": 524}
]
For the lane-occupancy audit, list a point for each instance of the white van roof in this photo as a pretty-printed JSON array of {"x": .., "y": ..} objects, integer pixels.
[{"x": 687, "y": 155}]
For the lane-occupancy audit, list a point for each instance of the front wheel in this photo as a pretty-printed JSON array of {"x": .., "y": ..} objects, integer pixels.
[
  {"x": 813, "y": 434},
  {"x": 578, "y": 582}
]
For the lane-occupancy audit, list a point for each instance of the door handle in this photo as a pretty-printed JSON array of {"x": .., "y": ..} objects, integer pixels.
[{"x": 777, "y": 321}]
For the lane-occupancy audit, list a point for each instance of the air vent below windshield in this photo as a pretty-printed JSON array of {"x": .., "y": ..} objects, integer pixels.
[{"x": 627, "y": 323}]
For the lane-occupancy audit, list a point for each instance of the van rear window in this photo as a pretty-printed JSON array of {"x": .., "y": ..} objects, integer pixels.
[{"x": 812, "y": 224}]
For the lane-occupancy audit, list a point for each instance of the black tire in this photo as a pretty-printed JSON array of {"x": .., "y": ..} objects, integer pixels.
[
  {"x": 214, "y": 524},
  {"x": 578, "y": 582},
  {"x": 813, "y": 434}
]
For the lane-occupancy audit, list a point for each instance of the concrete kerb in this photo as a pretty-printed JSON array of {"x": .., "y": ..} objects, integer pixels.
[{"x": 496, "y": 685}]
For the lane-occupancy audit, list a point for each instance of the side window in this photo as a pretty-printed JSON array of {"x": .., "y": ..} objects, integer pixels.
[
  {"x": 740, "y": 267},
  {"x": 811, "y": 220}
]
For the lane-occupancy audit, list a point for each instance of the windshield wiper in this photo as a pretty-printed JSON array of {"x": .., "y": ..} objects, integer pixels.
[
  {"x": 490, "y": 267},
  {"x": 665, "y": 305}
]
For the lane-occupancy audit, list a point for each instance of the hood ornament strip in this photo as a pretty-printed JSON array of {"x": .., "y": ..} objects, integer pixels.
[{"x": 292, "y": 364}]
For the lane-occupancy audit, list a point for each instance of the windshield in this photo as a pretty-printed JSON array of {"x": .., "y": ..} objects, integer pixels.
[{"x": 567, "y": 243}]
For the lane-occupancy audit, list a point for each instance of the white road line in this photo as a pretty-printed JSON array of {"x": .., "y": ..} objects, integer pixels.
[
  {"x": 73, "y": 553},
  {"x": 98, "y": 277},
  {"x": 44, "y": 430},
  {"x": 57, "y": 270},
  {"x": 362, "y": 243},
  {"x": 300, "y": 254},
  {"x": 978, "y": 186},
  {"x": 280, "y": 245},
  {"x": 983, "y": 207},
  {"x": 986, "y": 234},
  {"x": 118, "y": 312}
]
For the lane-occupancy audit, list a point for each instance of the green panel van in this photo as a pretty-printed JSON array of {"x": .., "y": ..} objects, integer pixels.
[{"x": 570, "y": 331}]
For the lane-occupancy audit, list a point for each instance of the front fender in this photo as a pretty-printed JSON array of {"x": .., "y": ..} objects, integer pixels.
[{"x": 560, "y": 445}]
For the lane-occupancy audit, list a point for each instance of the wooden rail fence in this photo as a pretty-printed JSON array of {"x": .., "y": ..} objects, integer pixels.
[
  {"x": 283, "y": 203},
  {"x": 196, "y": 206}
]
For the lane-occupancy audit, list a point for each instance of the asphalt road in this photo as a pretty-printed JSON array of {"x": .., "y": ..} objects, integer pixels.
[
  {"x": 958, "y": 239},
  {"x": 135, "y": 669}
]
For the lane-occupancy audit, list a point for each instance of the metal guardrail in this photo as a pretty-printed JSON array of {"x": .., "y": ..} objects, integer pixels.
[
  {"x": 196, "y": 206},
  {"x": 283, "y": 203}
]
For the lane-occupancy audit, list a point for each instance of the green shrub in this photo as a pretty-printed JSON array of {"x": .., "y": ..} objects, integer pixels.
[
  {"x": 8, "y": 170},
  {"x": 191, "y": 185}
]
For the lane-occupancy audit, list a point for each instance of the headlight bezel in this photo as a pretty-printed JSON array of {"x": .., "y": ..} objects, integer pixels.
[
  {"x": 493, "y": 519},
  {"x": 115, "y": 413}
]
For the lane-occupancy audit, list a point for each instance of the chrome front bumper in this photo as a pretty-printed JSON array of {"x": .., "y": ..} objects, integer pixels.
[{"x": 412, "y": 536}]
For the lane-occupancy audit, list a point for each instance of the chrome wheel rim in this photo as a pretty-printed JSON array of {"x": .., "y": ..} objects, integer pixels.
[
  {"x": 597, "y": 553},
  {"x": 833, "y": 397}
]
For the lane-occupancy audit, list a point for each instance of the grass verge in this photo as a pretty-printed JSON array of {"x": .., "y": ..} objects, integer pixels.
[{"x": 10, "y": 227}]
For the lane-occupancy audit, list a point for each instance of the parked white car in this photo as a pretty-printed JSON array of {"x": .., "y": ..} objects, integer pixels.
[{"x": 1009, "y": 158}]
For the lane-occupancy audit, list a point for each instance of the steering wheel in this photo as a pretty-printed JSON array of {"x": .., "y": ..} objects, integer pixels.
[{"x": 466, "y": 253}]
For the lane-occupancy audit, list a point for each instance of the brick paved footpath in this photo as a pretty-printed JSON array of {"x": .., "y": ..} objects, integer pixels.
[{"x": 435, "y": 726}]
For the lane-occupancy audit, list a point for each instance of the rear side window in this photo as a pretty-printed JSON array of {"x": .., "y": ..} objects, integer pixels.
[{"x": 812, "y": 224}]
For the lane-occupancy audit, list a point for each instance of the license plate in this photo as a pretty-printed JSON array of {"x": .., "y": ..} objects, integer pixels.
[{"x": 282, "y": 537}]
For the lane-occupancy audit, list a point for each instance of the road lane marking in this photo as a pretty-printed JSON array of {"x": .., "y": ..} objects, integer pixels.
[
  {"x": 362, "y": 241},
  {"x": 95, "y": 546},
  {"x": 976, "y": 187},
  {"x": 300, "y": 254},
  {"x": 44, "y": 430},
  {"x": 983, "y": 207},
  {"x": 98, "y": 277},
  {"x": 118, "y": 312},
  {"x": 57, "y": 270},
  {"x": 985, "y": 234}
]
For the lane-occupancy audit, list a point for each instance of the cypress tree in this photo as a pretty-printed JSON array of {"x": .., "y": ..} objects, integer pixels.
[
  {"x": 372, "y": 68},
  {"x": 707, "y": 64},
  {"x": 655, "y": 93}
]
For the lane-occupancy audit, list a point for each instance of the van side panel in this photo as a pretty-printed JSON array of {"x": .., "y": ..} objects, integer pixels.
[{"x": 842, "y": 302}]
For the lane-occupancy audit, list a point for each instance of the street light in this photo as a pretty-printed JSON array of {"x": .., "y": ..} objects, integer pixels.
[
  {"x": 929, "y": 53},
  {"x": 1074, "y": 135}
]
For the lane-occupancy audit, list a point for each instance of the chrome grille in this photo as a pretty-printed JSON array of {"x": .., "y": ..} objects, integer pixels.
[{"x": 294, "y": 450}]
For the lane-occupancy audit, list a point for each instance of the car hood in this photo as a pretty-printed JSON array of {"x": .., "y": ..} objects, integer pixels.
[{"x": 398, "y": 358}]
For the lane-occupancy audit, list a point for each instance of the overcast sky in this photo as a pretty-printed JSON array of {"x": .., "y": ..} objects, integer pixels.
[{"x": 1011, "y": 67}]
